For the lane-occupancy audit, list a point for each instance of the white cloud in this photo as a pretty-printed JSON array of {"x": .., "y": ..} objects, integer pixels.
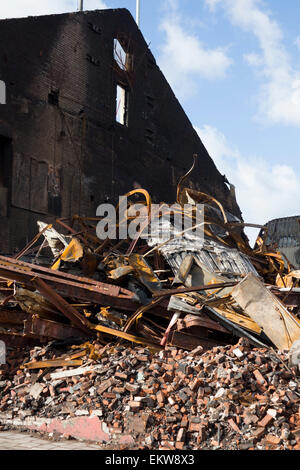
[
  {"x": 297, "y": 42},
  {"x": 279, "y": 99},
  {"x": 264, "y": 190},
  {"x": 184, "y": 58},
  {"x": 217, "y": 146},
  {"x": 212, "y": 4},
  {"x": 23, "y": 8},
  {"x": 254, "y": 59}
]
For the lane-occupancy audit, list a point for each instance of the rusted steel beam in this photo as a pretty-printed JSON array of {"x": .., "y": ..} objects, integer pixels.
[
  {"x": 187, "y": 341},
  {"x": 114, "y": 290},
  {"x": 126, "y": 336},
  {"x": 200, "y": 322},
  {"x": 66, "y": 309},
  {"x": 185, "y": 290},
  {"x": 50, "y": 329},
  {"x": 33, "y": 242},
  {"x": 12, "y": 317},
  {"x": 7, "y": 299},
  {"x": 70, "y": 286},
  {"x": 62, "y": 223},
  {"x": 83, "y": 239},
  {"x": 19, "y": 340}
]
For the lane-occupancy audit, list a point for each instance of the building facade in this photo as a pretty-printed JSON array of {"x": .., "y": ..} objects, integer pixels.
[{"x": 88, "y": 116}]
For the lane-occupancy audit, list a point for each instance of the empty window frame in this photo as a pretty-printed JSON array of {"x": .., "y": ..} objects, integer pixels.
[
  {"x": 2, "y": 92},
  {"x": 120, "y": 55},
  {"x": 122, "y": 105},
  {"x": 123, "y": 58}
]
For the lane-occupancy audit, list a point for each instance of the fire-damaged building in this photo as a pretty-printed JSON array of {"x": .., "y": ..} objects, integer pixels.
[
  {"x": 85, "y": 116},
  {"x": 112, "y": 340}
]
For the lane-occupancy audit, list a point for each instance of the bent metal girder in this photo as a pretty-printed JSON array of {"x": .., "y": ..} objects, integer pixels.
[{"x": 68, "y": 285}]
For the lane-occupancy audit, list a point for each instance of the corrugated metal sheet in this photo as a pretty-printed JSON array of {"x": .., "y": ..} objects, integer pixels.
[
  {"x": 285, "y": 233},
  {"x": 216, "y": 257}
]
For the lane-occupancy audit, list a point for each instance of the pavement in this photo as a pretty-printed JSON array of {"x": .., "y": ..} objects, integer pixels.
[{"x": 10, "y": 440}]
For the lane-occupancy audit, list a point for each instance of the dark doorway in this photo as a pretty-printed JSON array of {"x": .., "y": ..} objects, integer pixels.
[{"x": 5, "y": 174}]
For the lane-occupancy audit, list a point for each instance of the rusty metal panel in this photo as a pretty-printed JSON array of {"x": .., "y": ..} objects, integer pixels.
[
  {"x": 19, "y": 340},
  {"x": 11, "y": 317},
  {"x": 201, "y": 322},
  {"x": 187, "y": 341},
  {"x": 50, "y": 329}
]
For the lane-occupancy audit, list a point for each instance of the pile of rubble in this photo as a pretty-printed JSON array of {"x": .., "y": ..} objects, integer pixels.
[
  {"x": 181, "y": 288},
  {"x": 169, "y": 291},
  {"x": 233, "y": 397}
]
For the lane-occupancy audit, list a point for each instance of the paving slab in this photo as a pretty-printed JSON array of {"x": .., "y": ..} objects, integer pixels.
[{"x": 22, "y": 441}]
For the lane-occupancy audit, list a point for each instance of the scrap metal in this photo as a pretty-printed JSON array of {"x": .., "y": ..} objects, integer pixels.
[{"x": 172, "y": 286}]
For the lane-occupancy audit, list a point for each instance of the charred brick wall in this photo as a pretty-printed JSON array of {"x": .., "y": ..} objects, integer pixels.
[{"x": 62, "y": 152}]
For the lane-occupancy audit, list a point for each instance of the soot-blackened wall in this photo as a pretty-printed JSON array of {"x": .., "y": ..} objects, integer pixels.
[{"x": 62, "y": 151}]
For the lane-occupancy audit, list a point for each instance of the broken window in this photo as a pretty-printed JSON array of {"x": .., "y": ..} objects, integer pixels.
[
  {"x": 122, "y": 57},
  {"x": 122, "y": 105},
  {"x": 2, "y": 92},
  {"x": 119, "y": 55},
  {"x": 5, "y": 173}
]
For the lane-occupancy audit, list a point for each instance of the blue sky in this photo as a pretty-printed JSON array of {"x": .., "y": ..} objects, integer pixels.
[{"x": 235, "y": 67}]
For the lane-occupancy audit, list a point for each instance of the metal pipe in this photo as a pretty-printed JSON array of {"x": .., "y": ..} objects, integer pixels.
[
  {"x": 138, "y": 12},
  {"x": 80, "y": 5},
  {"x": 186, "y": 290}
]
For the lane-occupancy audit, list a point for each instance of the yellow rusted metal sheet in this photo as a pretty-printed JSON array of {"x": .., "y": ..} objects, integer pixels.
[
  {"x": 144, "y": 272},
  {"x": 47, "y": 364},
  {"x": 120, "y": 272},
  {"x": 241, "y": 320},
  {"x": 289, "y": 280},
  {"x": 126, "y": 336},
  {"x": 72, "y": 253}
]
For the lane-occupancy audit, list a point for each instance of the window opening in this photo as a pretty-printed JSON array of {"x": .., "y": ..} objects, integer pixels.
[{"x": 122, "y": 105}]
